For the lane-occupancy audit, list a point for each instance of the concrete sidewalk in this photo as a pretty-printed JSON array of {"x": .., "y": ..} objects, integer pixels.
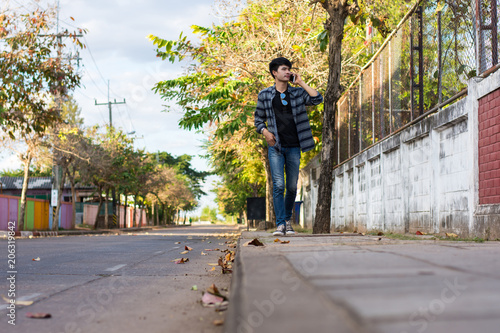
[{"x": 354, "y": 283}]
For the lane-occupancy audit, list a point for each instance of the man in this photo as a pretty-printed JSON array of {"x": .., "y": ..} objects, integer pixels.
[{"x": 281, "y": 117}]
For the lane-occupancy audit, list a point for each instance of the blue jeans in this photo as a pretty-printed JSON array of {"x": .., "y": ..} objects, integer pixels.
[{"x": 284, "y": 162}]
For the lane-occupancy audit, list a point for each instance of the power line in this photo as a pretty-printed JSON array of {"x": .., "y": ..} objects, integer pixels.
[
  {"x": 93, "y": 60},
  {"x": 97, "y": 86}
]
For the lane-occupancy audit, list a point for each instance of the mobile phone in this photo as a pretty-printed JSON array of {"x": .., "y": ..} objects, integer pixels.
[{"x": 292, "y": 78}]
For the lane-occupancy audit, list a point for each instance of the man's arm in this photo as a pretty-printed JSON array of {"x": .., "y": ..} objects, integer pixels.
[
  {"x": 314, "y": 97},
  {"x": 260, "y": 115}
]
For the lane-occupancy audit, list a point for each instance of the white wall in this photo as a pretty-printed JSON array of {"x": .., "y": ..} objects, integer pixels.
[{"x": 423, "y": 178}]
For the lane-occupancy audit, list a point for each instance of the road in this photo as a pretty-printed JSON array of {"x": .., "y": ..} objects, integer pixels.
[{"x": 116, "y": 283}]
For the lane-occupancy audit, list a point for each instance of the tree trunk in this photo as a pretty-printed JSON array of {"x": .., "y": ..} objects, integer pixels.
[
  {"x": 140, "y": 215},
  {"x": 126, "y": 206},
  {"x": 338, "y": 11},
  {"x": 118, "y": 214},
  {"x": 134, "y": 220},
  {"x": 71, "y": 177},
  {"x": 96, "y": 226},
  {"x": 270, "y": 215},
  {"x": 106, "y": 211},
  {"x": 22, "y": 208},
  {"x": 158, "y": 215}
]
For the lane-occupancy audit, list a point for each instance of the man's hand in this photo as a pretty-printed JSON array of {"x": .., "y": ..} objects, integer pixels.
[
  {"x": 301, "y": 83},
  {"x": 271, "y": 140}
]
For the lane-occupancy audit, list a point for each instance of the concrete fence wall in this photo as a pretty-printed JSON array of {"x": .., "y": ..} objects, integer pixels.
[
  {"x": 126, "y": 216},
  {"x": 38, "y": 213},
  {"x": 439, "y": 175}
]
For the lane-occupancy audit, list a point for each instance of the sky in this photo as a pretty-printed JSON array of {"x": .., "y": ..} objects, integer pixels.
[{"x": 118, "y": 50}]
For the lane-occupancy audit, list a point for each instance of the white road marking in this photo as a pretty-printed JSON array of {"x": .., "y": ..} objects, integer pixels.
[{"x": 114, "y": 268}]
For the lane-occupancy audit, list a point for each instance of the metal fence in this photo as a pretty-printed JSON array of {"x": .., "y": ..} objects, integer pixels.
[{"x": 422, "y": 66}]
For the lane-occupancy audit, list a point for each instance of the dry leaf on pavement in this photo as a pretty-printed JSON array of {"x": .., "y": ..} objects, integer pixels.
[
  {"x": 277, "y": 240},
  {"x": 218, "y": 322},
  {"x": 187, "y": 248},
  {"x": 38, "y": 315},
  {"x": 184, "y": 252},
  {"x": 180, "y": 260},
  {"x": 37, "y": 259},
  {"x": 255, "y": 242}
]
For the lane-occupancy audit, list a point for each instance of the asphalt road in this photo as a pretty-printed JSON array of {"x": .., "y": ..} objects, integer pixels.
[{"x": 116, "y": 283}]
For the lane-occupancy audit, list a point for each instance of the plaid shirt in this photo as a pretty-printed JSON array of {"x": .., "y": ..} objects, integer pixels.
[{"x": 299, "y": 98}]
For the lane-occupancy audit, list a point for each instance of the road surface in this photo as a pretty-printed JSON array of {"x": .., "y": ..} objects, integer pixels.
[{"x": 115, "y": 283}]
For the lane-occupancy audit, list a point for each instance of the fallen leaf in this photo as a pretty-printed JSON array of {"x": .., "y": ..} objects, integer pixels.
[
  {"x": 37, "y": 259},
  {"x": 211, "y": 299},
  {"x": 380, "y": 233},
  {"x": 195, "y": 288},
  {"x": 177, "y": 242},
  {"x": 256, "y": 242},
  {"x": 184, "y": 252},
  {"x": 213, "y": 268},
  {"x": 418, "y": 233},
  {"x": 277, "y": 240},
  {"x": 38, "y": 315},
  {"x": 187, "y": 248},
  {"x": 212, "y": 264},
  {"x": 451, "y": 234},
  {"x": 214, "y": 290},
  {"x": 212, "y": 250},
  {"x": 180, "y": 260},
  {"x": 285, "y": 242},
  {"x": 204, "y": 254},
  {"x": 228, "y": 257},
  {"x": 218, "y": 322}
]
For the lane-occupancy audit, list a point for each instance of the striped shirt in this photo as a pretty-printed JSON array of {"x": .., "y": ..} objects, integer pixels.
[{"x": 299, "y": 99}]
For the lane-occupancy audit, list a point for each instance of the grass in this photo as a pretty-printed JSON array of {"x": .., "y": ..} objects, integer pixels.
[
  {"x": 430, "y": 237},
  {"x": 302, "y": 230}
]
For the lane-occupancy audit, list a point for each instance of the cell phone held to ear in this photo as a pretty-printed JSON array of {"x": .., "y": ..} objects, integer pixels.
[{"x": 292, "y": 78}]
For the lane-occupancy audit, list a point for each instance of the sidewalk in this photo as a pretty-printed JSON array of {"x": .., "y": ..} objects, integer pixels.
[{"x": 353, "y": 283}]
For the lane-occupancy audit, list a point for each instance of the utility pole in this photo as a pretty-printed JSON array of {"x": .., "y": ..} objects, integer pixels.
[
  {"x": 57, "y": 171},
  {"x": 109, "y": 103}
]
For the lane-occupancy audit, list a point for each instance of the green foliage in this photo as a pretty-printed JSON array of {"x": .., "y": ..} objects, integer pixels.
[
  {"x": 35, "y": 171},
  {"x": 182, "y": 164},
  {"x": 208, "y": 214},
  {"x": 29, "y": 72}
]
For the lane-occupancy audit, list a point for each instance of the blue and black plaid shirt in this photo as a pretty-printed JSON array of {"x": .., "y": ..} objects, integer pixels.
[{"x": 299, "y": 99}]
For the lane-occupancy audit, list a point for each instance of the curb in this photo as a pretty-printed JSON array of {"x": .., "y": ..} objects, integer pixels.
[{"x": 236, "y": 292}]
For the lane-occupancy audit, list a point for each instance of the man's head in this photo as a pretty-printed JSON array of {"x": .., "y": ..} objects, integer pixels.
[{"x": 276, "y": 63}]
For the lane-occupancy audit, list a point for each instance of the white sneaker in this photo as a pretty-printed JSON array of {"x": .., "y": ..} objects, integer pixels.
[
  {"x": 280, "y": 230},
  {"x": 289, "y": 229}
]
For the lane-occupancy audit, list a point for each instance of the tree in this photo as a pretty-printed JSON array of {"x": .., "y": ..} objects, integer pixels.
[
  {"x": 338, "y": 13},
  {"x": 230, "y": 67},
  {"x": 28, "y": 73}
]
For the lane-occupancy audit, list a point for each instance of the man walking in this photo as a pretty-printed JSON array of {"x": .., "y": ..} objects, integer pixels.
[{"x": 281, "y": 117}]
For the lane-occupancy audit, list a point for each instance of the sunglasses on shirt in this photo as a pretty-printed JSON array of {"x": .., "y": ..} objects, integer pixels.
[{"x": 283, "y": 100}]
